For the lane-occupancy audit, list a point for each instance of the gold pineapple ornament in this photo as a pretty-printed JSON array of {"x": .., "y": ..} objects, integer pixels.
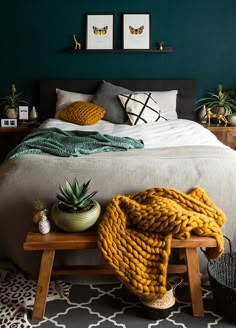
[{"x": 40, "y": 209}]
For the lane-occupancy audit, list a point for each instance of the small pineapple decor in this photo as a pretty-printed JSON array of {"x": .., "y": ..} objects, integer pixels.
[
  {"x": 44, "y": 225},
  {"x": 76, "y": 210},
  {"x": 40, "y": 216},
  {"x": 40, "y": 209}
]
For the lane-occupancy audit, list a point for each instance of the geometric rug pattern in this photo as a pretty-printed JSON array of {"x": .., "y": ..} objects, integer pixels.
[{"x": 96, "y": 305}]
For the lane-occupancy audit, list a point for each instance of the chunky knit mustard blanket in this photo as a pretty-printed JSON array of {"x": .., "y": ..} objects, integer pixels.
[{"x": 135, "y": 232}]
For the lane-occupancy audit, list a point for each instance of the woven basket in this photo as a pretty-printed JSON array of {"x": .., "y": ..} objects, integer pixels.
[
  {"x": 160, "y": 308},
  {"x": 222, "y": 276}
]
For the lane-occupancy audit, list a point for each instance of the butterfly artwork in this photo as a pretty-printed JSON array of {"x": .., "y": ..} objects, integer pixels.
[
  {"x": 136, "y": 31},
  {"x": 100, "y": 31}
]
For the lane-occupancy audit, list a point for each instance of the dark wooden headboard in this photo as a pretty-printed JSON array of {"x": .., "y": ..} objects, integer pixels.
[{"x": 187, "y": 91}]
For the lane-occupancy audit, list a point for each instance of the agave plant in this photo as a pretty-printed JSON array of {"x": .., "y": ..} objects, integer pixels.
[
  {"x": 13, "y": 100},
  {"x": 219, "y": 100},
  {"x": 75, "y": 197}
]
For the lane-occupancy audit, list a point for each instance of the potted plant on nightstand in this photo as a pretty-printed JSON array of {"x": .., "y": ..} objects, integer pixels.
[
  {"x": 219, "y": 103},
  {"x": 11, "y": 103},
  {"x": 76, "y": 210},
  {"x": 232, "y": 117}
]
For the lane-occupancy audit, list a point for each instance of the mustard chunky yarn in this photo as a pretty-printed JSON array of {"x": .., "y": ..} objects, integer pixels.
[{"x": 135, "y": 233}]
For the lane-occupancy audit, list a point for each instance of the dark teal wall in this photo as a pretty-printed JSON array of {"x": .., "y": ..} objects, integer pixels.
[{"x": 34, "y": 34}]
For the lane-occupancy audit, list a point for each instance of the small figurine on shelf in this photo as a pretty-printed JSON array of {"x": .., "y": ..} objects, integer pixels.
[
  {"x": 40, "y": 216},
  {"x": 44, "y": 225},
  {"x": 161, "y": 45},
  {"x": 219, "y": 117},
  {"x": 40, "y": 209},
  {"x": 77, "y": 44},
  {"x": 202, "y": 114},
  {"x": 33, "y": 116}
]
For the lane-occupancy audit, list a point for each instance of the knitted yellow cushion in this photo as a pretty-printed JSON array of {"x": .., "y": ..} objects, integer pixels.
[{"x": 82, "y": 113}]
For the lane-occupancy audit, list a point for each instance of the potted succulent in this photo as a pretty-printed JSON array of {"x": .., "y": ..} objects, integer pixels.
[
  {"x": 220, "y": 103},
  {"x": 232, "y": 117},
  {"x": 11, "y": 102},
  {"x": 76, "y": 210}
]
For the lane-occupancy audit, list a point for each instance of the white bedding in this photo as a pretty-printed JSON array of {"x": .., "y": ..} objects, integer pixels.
[{"x": 172, "y": 133}]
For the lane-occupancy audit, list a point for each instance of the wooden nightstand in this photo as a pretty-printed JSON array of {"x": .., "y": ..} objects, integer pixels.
[
  {"x": 11, "y": 137},
  {"x": 226, "y": 134}
]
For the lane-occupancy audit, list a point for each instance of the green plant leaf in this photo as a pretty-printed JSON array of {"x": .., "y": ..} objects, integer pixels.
[
  {"x": 73, "y": 196},
  {"x": 65, "y": 192},
  {"x": 76, "y": 188}
]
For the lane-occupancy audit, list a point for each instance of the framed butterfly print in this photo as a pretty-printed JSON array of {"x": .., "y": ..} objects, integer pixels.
[
  {"x": 136, "y": 31},
  {"x": 100, "y": 31}
]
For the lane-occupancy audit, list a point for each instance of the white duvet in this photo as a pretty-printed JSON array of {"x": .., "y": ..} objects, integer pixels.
[{"x": 154, "y": 135}]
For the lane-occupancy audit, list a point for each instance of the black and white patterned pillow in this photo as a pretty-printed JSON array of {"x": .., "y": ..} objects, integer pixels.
[{"x": 141, "y": 108}]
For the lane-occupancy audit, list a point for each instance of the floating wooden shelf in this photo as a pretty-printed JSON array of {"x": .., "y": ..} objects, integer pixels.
[{"x": 154, "y": 50}]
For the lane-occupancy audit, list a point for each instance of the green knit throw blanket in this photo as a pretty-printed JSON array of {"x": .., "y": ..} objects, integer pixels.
[{"x": 76, "y": 143}]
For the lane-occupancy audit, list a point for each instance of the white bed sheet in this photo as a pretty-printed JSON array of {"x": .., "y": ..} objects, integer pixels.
[{"x": 172, "y": 133}]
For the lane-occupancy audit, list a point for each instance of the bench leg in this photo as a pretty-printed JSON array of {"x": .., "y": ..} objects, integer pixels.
[
  {"x": 43, "y": 284},
  {"x": 194, "y": 282}
]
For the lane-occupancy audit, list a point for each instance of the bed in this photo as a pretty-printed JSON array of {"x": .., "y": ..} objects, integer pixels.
[{"x": 178, "y": 153}]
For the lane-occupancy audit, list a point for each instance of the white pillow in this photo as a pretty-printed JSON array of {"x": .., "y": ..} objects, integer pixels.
[
  {"x": 141, "y": 108},
  {"x": 167, "y": 103},
  {"x": 65, "y": 98}
]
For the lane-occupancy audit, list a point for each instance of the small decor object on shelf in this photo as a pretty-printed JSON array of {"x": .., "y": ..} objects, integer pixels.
[
  {"x": 76, "y": 210},
  {"x": 44, "y": 225},
  {"x": 23, "y": 113},
  {"x": 136, "y": 31},
  {"x": 11, "y": 103},
  {"x": 40, "y": 210},
  {"x": 161, "y": 45},
  {"x": 12, "y": 113},
  {"x": 8, "y": 123},
  {"x": 33, "y": 114},
  {"x": 202, "y": 114},
  {"x": 100, "y": 31},
  {"x": 219, "y": 117},
  {"x": 77, "y": 44}
]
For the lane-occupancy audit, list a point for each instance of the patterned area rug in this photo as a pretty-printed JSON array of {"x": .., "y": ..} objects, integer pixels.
[{"x": 90, "y": 306}]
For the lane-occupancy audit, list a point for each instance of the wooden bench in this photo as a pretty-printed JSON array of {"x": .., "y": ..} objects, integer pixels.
[{"x": 58, "y": 240}]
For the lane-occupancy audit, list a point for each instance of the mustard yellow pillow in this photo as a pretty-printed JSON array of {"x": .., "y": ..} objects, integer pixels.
[{"x": 82, "y": 113}]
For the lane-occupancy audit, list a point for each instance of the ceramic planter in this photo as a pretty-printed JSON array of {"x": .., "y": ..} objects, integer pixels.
[
  {"x": 232, "y": 120},
  {"x": 75, "y": 222},
  {"x": 12, "y": 112},
  {"x": 202, "y": 114}
]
